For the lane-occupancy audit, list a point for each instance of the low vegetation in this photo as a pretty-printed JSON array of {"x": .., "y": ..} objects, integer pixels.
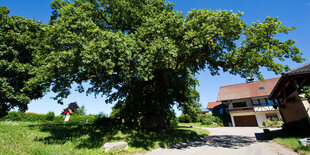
[
  {"x": 205, "y": 120},
  {"x": 82, "y": 135},
  {"x": 290, "y": 140},
  {"x": 272, "y": 123},
  {"x": 198, "y": 124}
]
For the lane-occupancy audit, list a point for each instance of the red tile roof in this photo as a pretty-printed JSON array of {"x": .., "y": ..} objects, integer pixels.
[
  {"x": 211, "y": 105},
  {"x": 247, "y": 90}
]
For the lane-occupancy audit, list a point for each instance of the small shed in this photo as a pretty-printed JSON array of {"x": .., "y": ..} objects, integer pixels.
[{"x": 293, "y": 106}]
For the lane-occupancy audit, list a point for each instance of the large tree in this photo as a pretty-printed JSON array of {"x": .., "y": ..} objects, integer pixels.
[
  {"x": 144, "y": 55},
  {"x": 19, "y": 41}
]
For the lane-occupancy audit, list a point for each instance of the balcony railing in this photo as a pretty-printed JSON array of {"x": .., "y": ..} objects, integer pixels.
[
  {"x": 252, "y": 108},
  {"x": 241, "y": 109}
]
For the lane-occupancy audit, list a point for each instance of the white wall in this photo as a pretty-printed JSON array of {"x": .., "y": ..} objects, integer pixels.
[{"x": 260, "y": 116}]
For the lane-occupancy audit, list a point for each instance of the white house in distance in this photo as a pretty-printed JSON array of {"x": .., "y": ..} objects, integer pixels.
[{"x": 248, "y": 103}]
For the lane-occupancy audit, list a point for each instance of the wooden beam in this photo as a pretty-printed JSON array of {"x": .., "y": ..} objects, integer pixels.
[
  {"x": 266, "y": 101},
  {"x": 252, "y": 102},
  {"x": 259, "y": 102}
]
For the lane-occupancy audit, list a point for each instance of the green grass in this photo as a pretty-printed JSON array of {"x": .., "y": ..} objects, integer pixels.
[
  {"x": 198, "y": 124},
  {"x": 53, "y": 138},
  {"x": 290, "y": 140}
]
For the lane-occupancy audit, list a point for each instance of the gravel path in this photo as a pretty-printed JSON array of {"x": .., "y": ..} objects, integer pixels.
[{"x": 227, "y": 140}]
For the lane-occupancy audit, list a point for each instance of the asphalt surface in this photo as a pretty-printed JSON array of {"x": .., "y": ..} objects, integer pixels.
[{"x": 227, "y": 140}]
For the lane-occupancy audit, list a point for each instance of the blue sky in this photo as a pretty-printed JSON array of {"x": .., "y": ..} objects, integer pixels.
[{"x": 291, "y": 13}]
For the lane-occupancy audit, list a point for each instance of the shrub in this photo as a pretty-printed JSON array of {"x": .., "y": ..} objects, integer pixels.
[
  {"x": 185, "y": 118},
  {"x": 58, "y": 119},
  {"x": 50, "y": 116},
  {"x": 102, "y": 119},
  {"x": 82, "y": 119},
  {"x": 30, "y": 117},
  {"x": 208, "y": 119},
  {"x": 14, "y": 116},
  {"x": 273, "y": 122},
  {"x": 33, "y": 117}
]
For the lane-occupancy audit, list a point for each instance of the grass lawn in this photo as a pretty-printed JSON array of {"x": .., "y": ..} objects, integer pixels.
[
  {"x": 198, "y": 124},
  {"x": 290, "y": 140},
  {"x": 53, "y": 138}
]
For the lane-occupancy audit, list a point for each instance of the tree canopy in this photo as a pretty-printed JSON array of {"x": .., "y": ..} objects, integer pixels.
[
  {"x": 19, "y": 41},
  {"x": 144, "y": 55}
]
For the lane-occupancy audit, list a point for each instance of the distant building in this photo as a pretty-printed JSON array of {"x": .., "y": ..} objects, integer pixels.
[
  {"x": 204, "y": 110},
  {"x": 248, "y": 103},
  {"x": 293, "y": 106},
  {"x": 217, "y": 108}
]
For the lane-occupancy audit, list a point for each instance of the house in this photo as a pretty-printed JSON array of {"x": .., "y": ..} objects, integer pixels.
[
  {"x": 248, "y": 103},
  {"x": 292, "y": 104},
  {"x": 217, "y": 108},
  {"x": 204, "y": 111}
]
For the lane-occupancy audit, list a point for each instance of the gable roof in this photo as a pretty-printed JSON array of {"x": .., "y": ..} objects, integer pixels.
[
  {"x": 247, "y": 90},
  {"x": 211, "y": 105},
  {"x": 304, "y": 69}
]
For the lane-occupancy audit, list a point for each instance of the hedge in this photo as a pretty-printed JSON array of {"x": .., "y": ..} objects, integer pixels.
[{"x": 31, "y": 117}]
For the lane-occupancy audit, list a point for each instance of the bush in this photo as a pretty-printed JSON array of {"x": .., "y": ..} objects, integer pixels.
[
  {"x": 103, "y": 119},
  {"x": 185, "y": 118},
  {"x": 50, "y": 116},
  {"x": 33, "y": 117},
  {"x": 273, "y": 122},
  {"x": 208, "y": 119},
  {"x": 59, "y": 119},
  {"x": 14, "y": 116},
  {"x": 30, "y": 117},
  {"x": 82, "y": 119}
]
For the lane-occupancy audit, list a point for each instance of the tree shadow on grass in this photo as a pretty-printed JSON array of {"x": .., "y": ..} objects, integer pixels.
[
  {"x": 94, "y": 136},
  {"x": 82, "y": 135}
]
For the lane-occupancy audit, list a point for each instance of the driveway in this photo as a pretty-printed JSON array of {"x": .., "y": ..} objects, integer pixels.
[{"x": 227, "y": 140}]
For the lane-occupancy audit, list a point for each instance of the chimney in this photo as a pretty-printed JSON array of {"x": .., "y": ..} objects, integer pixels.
[{"x": 249, "y": 79}]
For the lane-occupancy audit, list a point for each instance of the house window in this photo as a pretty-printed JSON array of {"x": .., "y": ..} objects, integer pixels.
[
  {"x": 261, "y": 88},
  {"x": 270, "y": 116},
  {"x": 239, "y": 104},
  {"x": 270, "y": 102}
]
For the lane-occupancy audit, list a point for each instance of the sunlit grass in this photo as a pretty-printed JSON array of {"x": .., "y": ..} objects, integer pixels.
[
  {"x": 53, "y": 138},
  {"x": 290, "y": 140},
  {"x": 198, "y": 124}
]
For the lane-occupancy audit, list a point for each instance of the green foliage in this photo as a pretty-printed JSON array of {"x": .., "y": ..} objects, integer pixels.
[
  {"x": 306, "y": 90},
  {"x": 28, "y": 117},
  {"x": 185, "y": 118},
  {"x": 81, "y": 111},
  {"x": 273, "y": 122},
  {"x": 209, "y": 119},
  {"x": 19, "y": 41},
  {"x": 14, "y": 116},
  {"x": 144, "y": 55},
  {"x": 50, "y": 116},
  {"x": 33, "y": 117},
  {"x": 82, "y": 119}
]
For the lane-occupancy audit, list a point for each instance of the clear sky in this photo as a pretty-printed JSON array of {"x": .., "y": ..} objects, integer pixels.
[{"x": 291, "y": 13}]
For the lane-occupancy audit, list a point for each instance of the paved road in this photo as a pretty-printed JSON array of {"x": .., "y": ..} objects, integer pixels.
[{"x": 227, "y": 140}]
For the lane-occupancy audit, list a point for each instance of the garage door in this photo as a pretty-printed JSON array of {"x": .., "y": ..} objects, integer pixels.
[{"x": 245, "y": 120}]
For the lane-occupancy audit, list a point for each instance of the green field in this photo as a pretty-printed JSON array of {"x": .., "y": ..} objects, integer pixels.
[{"x": 58, "y": 138}]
